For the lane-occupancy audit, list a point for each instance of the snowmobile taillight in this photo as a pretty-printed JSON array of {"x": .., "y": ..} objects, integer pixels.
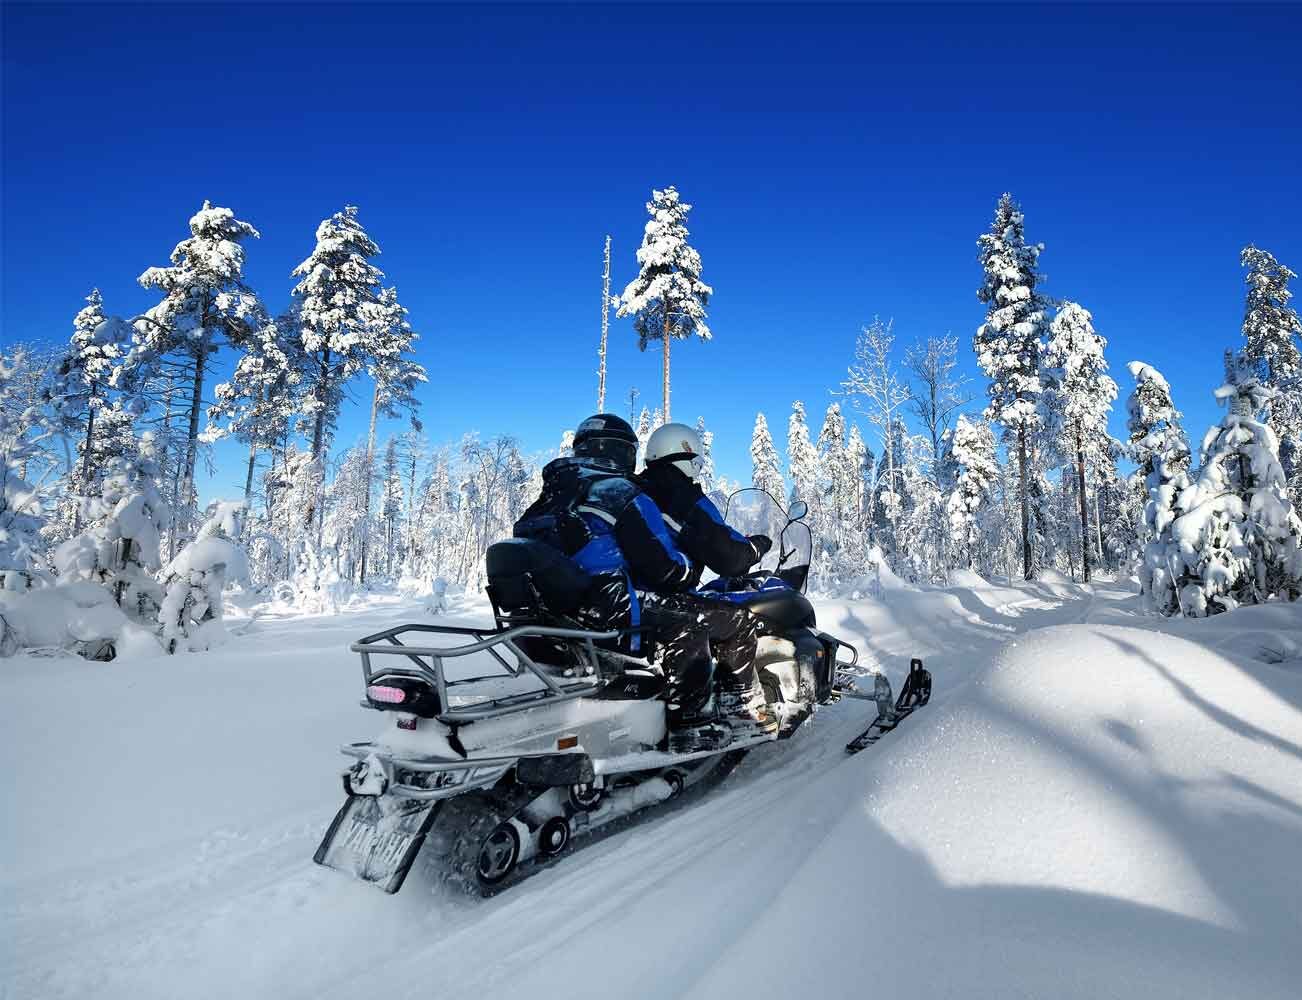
[
  {"x": 386, "y": 694},
  {"x": 400, "y": 693}
]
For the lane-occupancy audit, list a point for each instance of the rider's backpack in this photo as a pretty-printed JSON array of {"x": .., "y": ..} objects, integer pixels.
[
  {"x": 547, "y": 536},
  {"x": 553, "y": 518}
]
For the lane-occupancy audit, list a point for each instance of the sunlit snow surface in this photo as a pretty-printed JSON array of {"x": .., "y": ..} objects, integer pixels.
[{"x": 1095, "y": 804}]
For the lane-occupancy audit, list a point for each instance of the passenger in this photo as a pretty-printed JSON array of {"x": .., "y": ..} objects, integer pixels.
[{"x": 593, "y": 511}]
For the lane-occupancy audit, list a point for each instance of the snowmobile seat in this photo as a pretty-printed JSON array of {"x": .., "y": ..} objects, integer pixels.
[
  {"x": 783, "y": 609},
  {"x": 520, "y": 568}
]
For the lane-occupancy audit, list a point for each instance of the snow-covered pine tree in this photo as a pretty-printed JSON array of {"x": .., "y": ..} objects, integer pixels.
[
  {"x": 192, "y": 608},
  {"x": 890, "y": 495},
  {"x": 1078, "y": 401},
  {"x": 294, "y": 486},
  {"x": 206, "y": 304},
  {"x": 1120, "y": 517},
  {"x": 81, "y": 382},
  {"x": 1007, "y": 344},
  {"x": 391, "y": 504},
  {"x": 856, "y": 456},
  {"x": 258, "y": 402},
  {"x": 667, "y": 298},
  {"x": 802, "y": 460},
  {"x": 338, "y": 285},
  {"x": 1169, "y": 487},
  {"x": 836, "y": 476},
  {"x": 120, "y": 547},
  {"x": 972, "y": 450},
  {"x": 766, "y": 474},
  {"x": 1160, "y": 451},
  {"x": 644, "y": 429},
  {"x": 706, "y": 478},
  {"x": 346, "y": 515},
  {"x": 396, "y": 377},
  {"x": 1238, "y": 532},
  {"x": 1272, "y": 328},
  {"x": 23, "y": 428}
]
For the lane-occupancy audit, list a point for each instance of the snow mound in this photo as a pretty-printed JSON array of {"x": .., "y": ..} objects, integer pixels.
[{"x": 1106, "y": 811}]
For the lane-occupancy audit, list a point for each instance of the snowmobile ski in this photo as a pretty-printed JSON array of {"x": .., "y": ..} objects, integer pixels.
[{"x": 915, "y": 693}]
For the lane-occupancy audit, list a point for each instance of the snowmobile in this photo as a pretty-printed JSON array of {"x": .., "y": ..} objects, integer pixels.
[{"x": 495, "y": 772}]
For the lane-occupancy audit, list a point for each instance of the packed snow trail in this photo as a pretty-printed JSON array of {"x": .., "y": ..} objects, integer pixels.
[{"x": 1093, "y": 804}]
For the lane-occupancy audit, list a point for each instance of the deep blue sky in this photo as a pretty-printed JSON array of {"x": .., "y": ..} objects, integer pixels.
[{"x": 842, "y": 162}]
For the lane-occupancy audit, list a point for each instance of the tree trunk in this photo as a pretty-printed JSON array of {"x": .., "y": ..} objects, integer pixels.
[
  {"x": 1026, "y": 504},
  {"x": 192, "y": 434},
  {"x": 1084, "y": 512},
  {"x": 666, "y": 377},
  {"x": 318, "y": 435},
  {"x": 665, "y": 371},
  {"x": 1098, "y": 527},
  {"x": 248, "y": 478},
  {"x": 322, "y": 391},
  {"x": 370, "y": 477},
  {"x": 176, "y": 472},
  {"x": 85, "y": 460}
]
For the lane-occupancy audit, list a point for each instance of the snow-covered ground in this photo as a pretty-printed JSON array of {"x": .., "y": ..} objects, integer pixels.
[{"x": 1094, "y": 804}]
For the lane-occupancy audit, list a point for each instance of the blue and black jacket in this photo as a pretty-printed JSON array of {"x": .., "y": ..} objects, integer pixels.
[
  {"x": 607, "y": 525},
  {"x": 695, "y": 524}
]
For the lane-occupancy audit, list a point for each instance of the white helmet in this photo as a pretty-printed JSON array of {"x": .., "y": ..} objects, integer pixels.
[{"x": 679, "y": 444}]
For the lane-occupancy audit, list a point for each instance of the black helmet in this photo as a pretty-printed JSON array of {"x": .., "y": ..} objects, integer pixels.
[{"x": 607, "y": 437}]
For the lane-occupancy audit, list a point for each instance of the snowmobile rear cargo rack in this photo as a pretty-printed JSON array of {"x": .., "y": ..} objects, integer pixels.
[{"x": 426, "y": 663}]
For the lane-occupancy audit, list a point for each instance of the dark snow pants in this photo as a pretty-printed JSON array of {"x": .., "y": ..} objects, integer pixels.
[
  {"x": 698, "y": 637},
  {"x": 698, "y": 641}
]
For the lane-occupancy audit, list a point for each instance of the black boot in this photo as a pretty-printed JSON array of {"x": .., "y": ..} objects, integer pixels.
[
  {"x": 697, "y": 731},
  {"x": 691, "y": 713}
]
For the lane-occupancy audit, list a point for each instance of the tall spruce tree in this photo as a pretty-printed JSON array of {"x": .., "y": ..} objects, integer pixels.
[
  {"x": 1007, "y": 344},
  {"x": 802, "y": 458},
  {"x": 258, "y": 402},
  {"x": 206, "y": 305},
  {"x": 668, "y": 298},
  {"x": 1271, "y": 328},
  {"x": 396, "y": 377},
  {"x": 1079, "y": 401},
  {"x": 338, "y": 284},
  {"x": 766, "y": 474},
  {"x": 81, "y": 382},
  {"x": 1154, "y": 435}
]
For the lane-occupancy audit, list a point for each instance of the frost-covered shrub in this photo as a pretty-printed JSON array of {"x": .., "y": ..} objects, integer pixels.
[
  {"x": 120, "y": 547},
  {"x": 191, "y": 612}
]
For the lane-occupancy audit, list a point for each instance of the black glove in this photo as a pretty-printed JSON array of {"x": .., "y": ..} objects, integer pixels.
[{"x": 761, "y": 544}]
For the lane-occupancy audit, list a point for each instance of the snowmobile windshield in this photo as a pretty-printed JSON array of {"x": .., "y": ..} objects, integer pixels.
[{"x": 755, "y": 512}]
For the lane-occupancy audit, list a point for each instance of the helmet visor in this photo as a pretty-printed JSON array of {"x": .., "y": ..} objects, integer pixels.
[{"x": 622, "y": 454}]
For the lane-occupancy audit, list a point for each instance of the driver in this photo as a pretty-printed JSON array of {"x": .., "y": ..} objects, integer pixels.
[{"x": 685, "y": 621}]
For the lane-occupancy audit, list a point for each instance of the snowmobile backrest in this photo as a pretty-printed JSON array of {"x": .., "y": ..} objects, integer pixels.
[{"x": 515, "y": 564}]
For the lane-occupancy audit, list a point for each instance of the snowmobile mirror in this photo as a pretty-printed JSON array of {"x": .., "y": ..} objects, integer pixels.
[{"x": 798, "y": 510}]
